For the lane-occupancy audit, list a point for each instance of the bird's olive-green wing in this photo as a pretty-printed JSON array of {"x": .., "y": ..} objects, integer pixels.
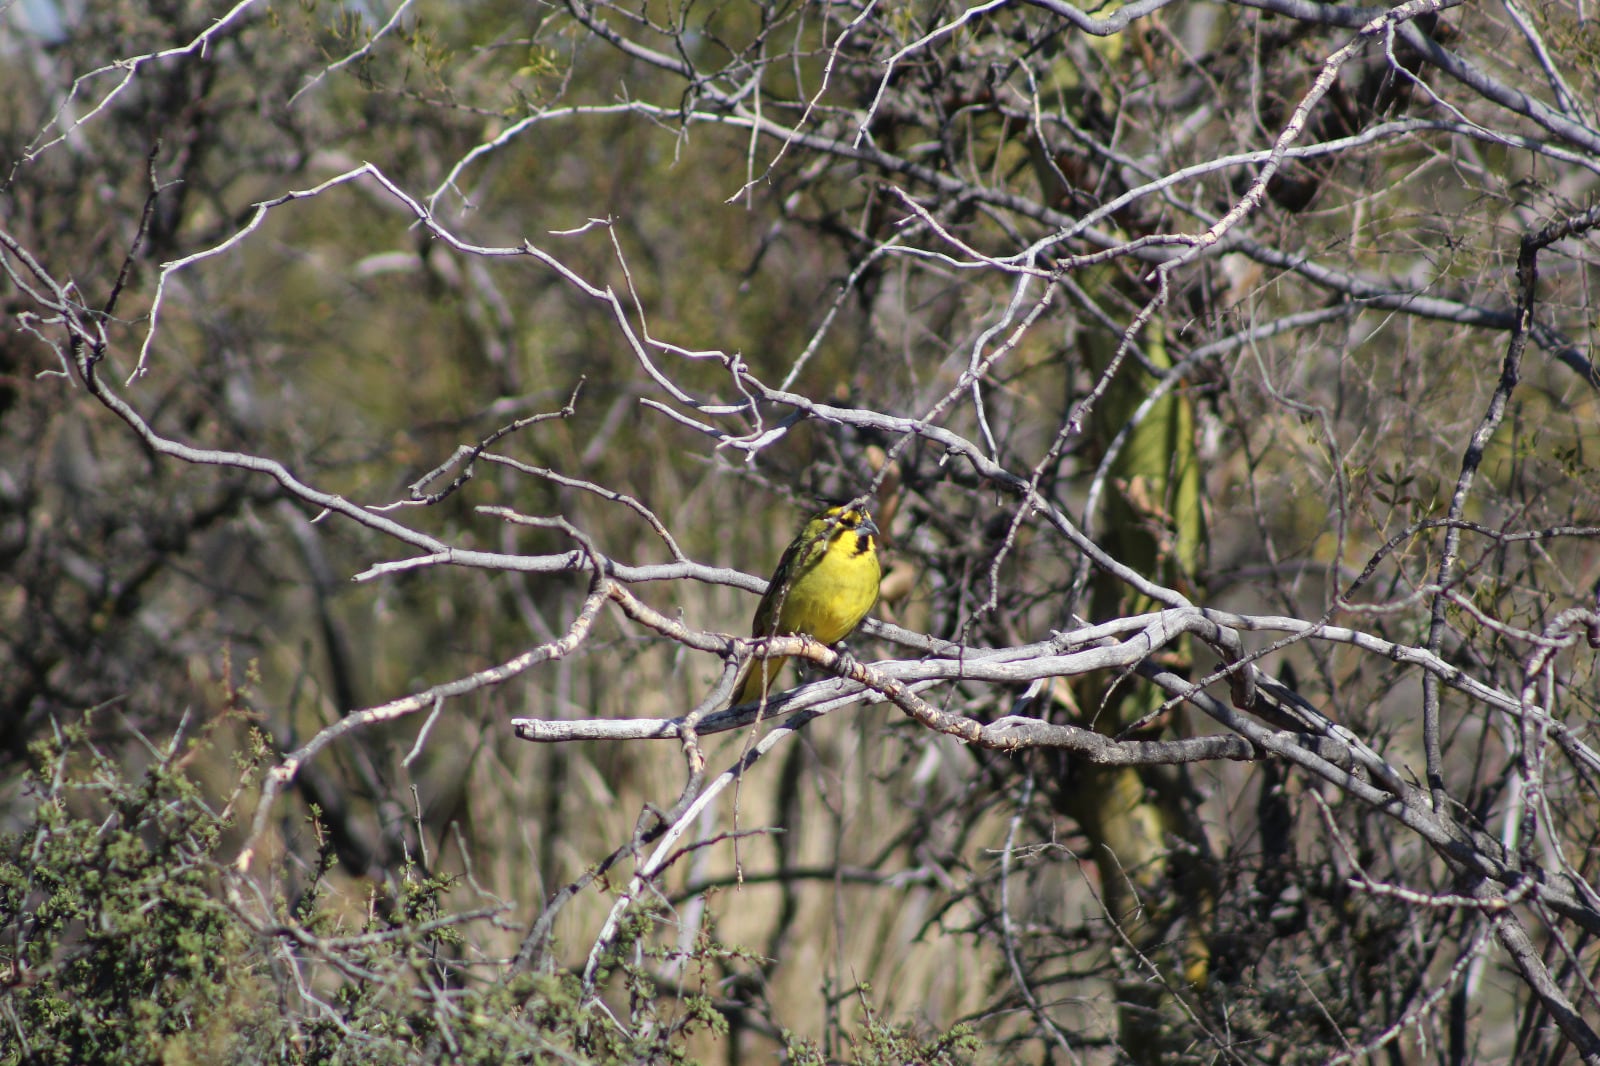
[{"x": 802, "y": 551}]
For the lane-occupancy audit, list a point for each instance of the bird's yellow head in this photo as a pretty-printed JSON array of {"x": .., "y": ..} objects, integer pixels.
[{"x": 835, "y": 525}]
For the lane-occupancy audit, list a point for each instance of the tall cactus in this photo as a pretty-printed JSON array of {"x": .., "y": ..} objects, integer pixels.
[{"x": 1156, "y": 872}]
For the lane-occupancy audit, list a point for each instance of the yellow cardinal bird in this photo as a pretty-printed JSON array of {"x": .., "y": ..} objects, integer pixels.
[{"x": 825, "y": 584}]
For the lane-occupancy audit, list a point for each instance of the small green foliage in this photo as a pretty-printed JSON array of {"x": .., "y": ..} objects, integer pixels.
[
  {"x": 126, "y": 937},
  {"x": 542, "y": 62},
  {"x": 1397, "y": 484},
  {"x": 115, "y": 939},
  {"x": 877, "y": 1042}
]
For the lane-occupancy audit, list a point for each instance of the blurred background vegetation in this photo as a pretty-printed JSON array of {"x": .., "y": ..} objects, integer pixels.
[{"x": 844, "y": 202}]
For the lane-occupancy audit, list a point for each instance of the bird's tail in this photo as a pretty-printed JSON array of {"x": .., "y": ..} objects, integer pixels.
[{"x": 756, "y": 678}]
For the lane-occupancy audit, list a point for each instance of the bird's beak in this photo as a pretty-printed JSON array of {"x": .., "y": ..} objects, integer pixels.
[{"x": 869, "y": 526}]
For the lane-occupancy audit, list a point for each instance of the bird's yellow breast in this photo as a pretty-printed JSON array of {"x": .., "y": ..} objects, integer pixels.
[{"x": 835, "y": 590}]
